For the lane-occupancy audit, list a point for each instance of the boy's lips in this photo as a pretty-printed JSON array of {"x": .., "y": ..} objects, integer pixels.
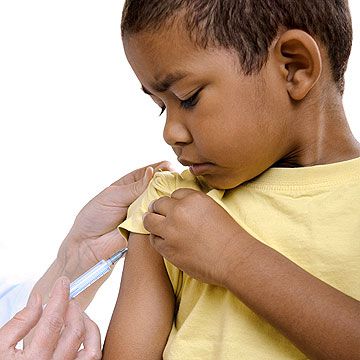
[{"x": 196, "y": 168}]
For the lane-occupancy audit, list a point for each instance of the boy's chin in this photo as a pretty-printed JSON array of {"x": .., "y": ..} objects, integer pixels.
[{"x": 209, "y": 182}]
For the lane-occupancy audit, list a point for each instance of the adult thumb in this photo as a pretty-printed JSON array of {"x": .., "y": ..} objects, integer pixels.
[
  {"x": 125, "y": 195},
  {"x": 21, "y": 324},
  {"x": 140, "y": 186}
]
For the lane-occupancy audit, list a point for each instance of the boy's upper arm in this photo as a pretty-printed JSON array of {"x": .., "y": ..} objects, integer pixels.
[{"x": 144, "y": 310}]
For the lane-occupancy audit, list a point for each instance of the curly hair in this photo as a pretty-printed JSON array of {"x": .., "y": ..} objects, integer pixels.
[{"x": 249, "y": 26}]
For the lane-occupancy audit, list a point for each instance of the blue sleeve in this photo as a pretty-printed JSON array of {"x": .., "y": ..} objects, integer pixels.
[{"x": 13, "y": 298}]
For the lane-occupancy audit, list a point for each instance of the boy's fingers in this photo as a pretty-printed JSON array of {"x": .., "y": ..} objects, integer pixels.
[
  {"x": 153, "y": 223},
  {"x": 72, "y": 335},
  {"x": 181, "y": 193},
  {"x": 92, "y": 341},
  {"x": 162, "y": 205},
  {"x": 157, "y": 242},
  {"x": 21, "y": 324},
  {"x": 48, "y": 330}
]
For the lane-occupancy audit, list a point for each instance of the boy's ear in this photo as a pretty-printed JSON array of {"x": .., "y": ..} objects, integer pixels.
[{"x": 301, "y": 63}]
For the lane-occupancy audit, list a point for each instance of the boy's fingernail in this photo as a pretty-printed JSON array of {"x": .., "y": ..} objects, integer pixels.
[
  {"x": 150, "y": 207},
  {"x": 144, "y": 216}
]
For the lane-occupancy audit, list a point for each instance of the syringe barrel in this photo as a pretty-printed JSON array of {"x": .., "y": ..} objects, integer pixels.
[{"x": 88, "y": 278}]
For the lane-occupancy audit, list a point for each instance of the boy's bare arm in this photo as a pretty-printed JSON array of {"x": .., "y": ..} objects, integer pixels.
[{"x": 144, "y": 310}]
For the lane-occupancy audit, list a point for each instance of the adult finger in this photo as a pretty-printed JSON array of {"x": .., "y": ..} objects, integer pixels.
[
  {"x": 49, "y": 327},
  {"x": 163, "y": 166},
  {"x": 112, "y": 242},
  {"x": 141, "y": 185},
  {"x": 139, "y": 173},
  {"x": 125, "y": 194},
  {"x": 153, "y": 223},
  {"x": 21, "y": 324},
  {"x": 126, "y": 190},
  {"x": 92, "y": 341},
  {"x": 72, "y": 335},
  {"x": 162, "y": 206},
  {"x": 182, "y": 193}
]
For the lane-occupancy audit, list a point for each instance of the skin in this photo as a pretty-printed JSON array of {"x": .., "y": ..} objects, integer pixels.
[
  {"x": 94, "y": 234},
  {"x": 290, "y": 114},
  {"x": 58, "y": 331}
]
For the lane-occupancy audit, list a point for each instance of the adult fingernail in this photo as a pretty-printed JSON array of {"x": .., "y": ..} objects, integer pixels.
[
  {"x": 65, "y": 281},
  {"x": 33, "y": 300},
  {"x": 60, "y": 284},
  {"x": 167, "y": 165},
  {"x": 76, "y": 305},
  {"x": 148, "y": 170}
]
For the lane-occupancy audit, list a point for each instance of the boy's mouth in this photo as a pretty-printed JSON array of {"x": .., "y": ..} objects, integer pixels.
[
  {"x": 196, "y": 168},
  {"x": 200, "y": 169}
]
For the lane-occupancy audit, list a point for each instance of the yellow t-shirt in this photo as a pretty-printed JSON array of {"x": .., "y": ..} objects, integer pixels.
[{"x": 311, "y": 215}]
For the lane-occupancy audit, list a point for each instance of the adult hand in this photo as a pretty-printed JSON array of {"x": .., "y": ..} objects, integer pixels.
[
  {"x": 194, "y": 233},
  {"x": 58, "y": 330},
  {"x": 94, "y": 235}
]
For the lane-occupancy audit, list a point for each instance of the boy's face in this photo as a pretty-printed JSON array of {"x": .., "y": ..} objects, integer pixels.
[{"x": 235, "y": 125}]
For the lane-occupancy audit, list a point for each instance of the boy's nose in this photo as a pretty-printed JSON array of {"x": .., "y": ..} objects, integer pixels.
[{"x": 176, "y": 134}]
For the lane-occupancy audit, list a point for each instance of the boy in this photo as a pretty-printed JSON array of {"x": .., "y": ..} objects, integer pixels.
[{"x": 261, "y": 237}]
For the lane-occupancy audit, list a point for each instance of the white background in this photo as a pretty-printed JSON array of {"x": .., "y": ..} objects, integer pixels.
[{"x": 73, "y": 120}]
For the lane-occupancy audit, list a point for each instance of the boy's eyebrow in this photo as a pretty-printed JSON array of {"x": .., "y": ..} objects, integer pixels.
[{"x": 166, "y": 83}]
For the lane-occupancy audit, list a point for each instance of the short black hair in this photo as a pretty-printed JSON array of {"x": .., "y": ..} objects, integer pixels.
[{"x": 250, "y": 26}]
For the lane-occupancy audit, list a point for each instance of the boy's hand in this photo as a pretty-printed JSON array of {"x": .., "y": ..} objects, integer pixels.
[{"x": 195, "y": 234}]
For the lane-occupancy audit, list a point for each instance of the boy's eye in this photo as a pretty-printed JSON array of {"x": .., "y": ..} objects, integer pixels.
[
  {"x": 186, "y": 104},
  {"x": 191, "y": 101}
]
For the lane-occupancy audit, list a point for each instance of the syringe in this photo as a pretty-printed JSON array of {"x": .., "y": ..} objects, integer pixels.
[{"x": 95, "y": 273}]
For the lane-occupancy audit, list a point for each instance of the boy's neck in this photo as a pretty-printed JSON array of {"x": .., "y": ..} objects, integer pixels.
[{"x": 325, "y": 139}]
